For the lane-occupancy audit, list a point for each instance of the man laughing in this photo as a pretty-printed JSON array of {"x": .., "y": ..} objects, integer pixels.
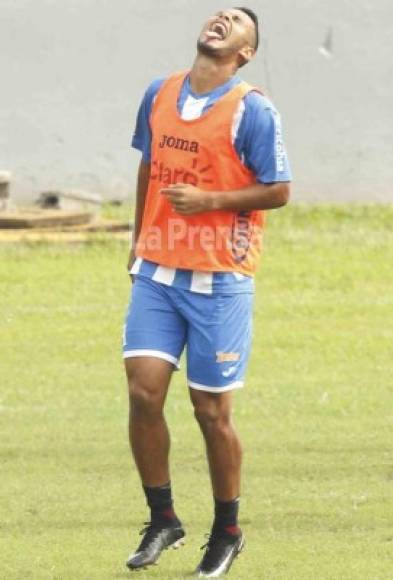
[{"x": 213, "y": 161}]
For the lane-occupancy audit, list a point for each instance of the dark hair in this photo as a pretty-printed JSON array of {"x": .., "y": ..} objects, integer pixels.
[{"x": 254, "y": 18}]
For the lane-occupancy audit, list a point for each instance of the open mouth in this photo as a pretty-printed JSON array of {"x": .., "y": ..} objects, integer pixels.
[{"x": 217, "y": 30}]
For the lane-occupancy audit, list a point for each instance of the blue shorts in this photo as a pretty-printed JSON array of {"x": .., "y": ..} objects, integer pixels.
[{"x": 216, "y": 328}]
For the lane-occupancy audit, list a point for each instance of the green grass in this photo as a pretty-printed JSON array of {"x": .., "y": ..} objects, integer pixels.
[{"x": 315, "y": 417}]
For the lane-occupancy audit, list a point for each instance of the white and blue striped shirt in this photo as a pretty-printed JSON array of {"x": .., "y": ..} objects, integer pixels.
[{"x": 202, "y": 282}]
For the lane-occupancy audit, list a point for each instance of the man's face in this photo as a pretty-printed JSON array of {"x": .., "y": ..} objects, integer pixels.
[{"x": 226, "y": 33}]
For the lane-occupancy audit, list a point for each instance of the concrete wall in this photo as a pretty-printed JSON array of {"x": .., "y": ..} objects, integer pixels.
[{"x": 72, "y": 73}]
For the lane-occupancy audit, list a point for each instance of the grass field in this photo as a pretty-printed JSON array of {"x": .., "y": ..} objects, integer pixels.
[{"x": 316, "y": 416}]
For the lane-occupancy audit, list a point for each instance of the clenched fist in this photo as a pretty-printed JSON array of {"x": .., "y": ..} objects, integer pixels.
[{"x": 187, "y": 199}]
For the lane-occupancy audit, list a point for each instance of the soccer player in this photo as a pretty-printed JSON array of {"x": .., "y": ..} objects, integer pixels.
[{"x": 213, "y": 161}]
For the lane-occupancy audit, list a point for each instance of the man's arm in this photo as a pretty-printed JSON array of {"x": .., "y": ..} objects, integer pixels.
[
  {"x": 258, "y": 196},
  {"x": 259, "y": 144},
  {"x": 188, "y": 200},
  {"x": 142, "y": 186}
]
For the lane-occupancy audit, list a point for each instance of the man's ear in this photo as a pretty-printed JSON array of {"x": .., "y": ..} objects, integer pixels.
[{"x": 246, "y": 54}]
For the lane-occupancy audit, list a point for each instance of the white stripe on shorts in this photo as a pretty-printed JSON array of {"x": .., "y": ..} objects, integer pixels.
[
  {"x": 153, "y": 353},
  {"x": 198, "y": 387}
]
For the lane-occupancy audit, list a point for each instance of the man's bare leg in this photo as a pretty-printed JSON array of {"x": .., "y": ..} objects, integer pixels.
[
  {"x": 148, "y": 380},
  {"x": 224, "y": 453}
]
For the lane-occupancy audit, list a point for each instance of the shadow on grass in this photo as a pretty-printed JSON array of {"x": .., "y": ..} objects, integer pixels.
[{"x": 155, "y": 571}]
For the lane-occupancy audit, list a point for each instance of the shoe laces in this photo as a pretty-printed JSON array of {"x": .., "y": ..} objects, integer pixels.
[
  {"x": 213, "y": 539},
  {"x": 149, "y": 532},
  {"x": 147, "y": 527},
  {"x": 206, "y": 544},
  {"x": 213, "y": 549}
]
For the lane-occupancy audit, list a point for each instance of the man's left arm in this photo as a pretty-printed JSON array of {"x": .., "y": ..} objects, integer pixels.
[
  {"x": 259, "y": 143},
  {"x": 187, "y": 199}
]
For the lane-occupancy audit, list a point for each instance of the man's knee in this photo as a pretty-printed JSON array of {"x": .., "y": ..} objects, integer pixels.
[
  {"x": 142, "y": 400},
  {"x": 147, "y": 389},
  {"x": 211, "y": 413}
]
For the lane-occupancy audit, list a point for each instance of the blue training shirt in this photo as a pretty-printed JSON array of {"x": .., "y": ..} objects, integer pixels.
[{"x": 258, "y": 141}]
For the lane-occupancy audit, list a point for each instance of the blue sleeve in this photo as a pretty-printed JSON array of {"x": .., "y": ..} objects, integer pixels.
[
  {"x": 259, "y": 141},
  {"x": 141, "y": 138}
]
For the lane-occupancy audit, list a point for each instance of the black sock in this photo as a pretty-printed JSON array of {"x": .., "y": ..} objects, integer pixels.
[
  {"x": 225, "y": 517},
  {"x": 159, "y": 500}
]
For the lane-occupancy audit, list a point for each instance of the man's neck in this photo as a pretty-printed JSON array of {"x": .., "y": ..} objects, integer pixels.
[{"x": 208, "y": 74}]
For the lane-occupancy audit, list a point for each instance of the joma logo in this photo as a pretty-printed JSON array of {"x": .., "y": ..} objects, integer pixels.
[{"x": 177, "y": 143}]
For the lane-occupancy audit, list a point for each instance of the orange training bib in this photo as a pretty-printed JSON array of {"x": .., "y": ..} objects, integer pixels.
[{"x": 198, "y": 152}]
